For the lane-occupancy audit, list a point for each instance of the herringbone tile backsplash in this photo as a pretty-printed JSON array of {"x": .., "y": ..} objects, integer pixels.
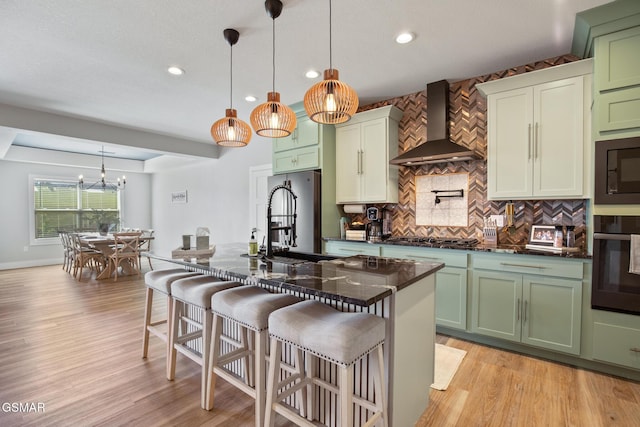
[{"x": 468, "y": 127}]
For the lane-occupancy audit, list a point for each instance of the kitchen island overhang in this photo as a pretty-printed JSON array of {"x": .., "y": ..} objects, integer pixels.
[{"x": 400, "y": 290}]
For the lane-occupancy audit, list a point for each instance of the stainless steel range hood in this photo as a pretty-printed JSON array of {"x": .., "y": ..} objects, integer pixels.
[{"x": 438, "y": 148}]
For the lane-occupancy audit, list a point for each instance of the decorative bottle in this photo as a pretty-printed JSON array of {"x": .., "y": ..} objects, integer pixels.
[
  {"x": 558, "y": 237},
  {"x": 253, "y": 244},
  {"x": 571, "y": 237}
]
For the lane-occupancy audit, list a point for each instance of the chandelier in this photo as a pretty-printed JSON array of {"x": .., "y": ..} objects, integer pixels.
[{"x": 102, "y": 184}]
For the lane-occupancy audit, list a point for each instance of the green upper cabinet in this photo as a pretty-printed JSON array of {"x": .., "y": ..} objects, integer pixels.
[
  {"x": 307, "y": 132},
  {"x": 611, "y": 34},
  {"x": 310, "y": 146},
  {"x": 617, "y": 84},
  {"x": 538, "y": 133},
  {"x": 364, "y": 146}
]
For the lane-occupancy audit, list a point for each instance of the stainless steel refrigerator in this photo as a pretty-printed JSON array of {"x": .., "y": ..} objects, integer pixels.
[{"x": 306, "y": 206}]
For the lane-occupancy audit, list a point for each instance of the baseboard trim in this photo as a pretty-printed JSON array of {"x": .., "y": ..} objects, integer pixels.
[{"x": 30, "y": 263}]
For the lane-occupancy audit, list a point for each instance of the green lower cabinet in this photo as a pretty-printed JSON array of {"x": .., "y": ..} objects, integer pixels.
[
  {"x": 496, "y": 299},
  {"x": 617, "y": 342},
  {"x": 451, "y": 298},
  {"x": 451, "y": 281},
  {"x": 552, "y": 313},
  {"x": 535, "y": 310}
]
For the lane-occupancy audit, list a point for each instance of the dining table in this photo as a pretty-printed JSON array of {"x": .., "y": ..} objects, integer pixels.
[{"x": 104, "y": 244}]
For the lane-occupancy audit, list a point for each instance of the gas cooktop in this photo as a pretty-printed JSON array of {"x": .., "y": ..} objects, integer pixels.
[{"x": 434, "y": 242}]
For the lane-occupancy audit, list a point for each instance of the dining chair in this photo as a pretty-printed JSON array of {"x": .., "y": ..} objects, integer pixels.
[
  {"x": 126, "y": 249},
  {"x": 84, "y": 256},
  {"x": 67, "y": 251},
  {"x": 145, "y": 246}
]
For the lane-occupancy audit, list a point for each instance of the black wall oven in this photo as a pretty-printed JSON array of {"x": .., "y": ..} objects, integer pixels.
[
  {"x": 613, "y": 287},
  {"x": 617, "y": 171}
]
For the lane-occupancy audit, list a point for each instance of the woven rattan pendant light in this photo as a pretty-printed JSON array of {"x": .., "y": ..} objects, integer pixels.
[
  {"x": 231, "y": 131},
  {"x": 273, "y": 119},
  {"x": 330, "y": 101}
]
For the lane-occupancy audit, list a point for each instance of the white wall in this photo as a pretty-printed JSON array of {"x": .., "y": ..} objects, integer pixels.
[
  {"x": 15, "y": 213},
  {"x": 218, "y": 197}
]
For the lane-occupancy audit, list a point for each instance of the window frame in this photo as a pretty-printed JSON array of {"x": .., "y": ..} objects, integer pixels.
[{"x": 42, "y": 241}]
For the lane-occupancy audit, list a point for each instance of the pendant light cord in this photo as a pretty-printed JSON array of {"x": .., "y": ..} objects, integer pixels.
[
  {"x": 231, "y": 79},
  {"x": 273, "y": 58},
  {"x": 330, "y": 41}
]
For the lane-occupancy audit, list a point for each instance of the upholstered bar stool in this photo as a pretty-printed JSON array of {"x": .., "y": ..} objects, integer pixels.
[
  {"x": 191, "y": 319},
  {"x": 160, "y": 281},
  {"x": 341, "y": 338},
  {"x": 248, "y": 307}
]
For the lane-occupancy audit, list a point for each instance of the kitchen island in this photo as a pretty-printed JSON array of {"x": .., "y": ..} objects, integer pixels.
[{"x": 402, "y": 291}]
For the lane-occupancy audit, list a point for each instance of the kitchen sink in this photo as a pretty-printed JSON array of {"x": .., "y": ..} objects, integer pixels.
[{"x": 291, "y": 257}]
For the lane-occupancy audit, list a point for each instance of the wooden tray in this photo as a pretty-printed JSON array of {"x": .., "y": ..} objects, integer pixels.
[{"x": 193, "y": 253}]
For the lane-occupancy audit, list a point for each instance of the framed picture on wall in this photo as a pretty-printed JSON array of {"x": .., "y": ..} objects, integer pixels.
[{"x": 179, "y": 197}]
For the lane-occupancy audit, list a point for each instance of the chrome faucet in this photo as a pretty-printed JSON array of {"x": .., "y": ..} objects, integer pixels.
[{"x": 285, "y": 228}]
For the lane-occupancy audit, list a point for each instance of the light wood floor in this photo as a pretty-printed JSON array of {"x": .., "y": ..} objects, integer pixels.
[{"x": 76, "y": 348}]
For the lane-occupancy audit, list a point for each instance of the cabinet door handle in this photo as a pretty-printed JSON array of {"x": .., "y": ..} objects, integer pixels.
[
  {"x": 535, "y": 143},
  {"x": 529, "y": 141},
  {"x": 635, "y": 349},
  {"x": 508, "y": 264},
  {"x": 524, "y": 313},
  {"x": 358, "y": 251},
  {"x": 361, "y": 161},
  {"x": 518, "y": 312}
]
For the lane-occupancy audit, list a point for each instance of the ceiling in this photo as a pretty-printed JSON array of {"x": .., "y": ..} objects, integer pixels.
[{"x": 106, "y": 61}]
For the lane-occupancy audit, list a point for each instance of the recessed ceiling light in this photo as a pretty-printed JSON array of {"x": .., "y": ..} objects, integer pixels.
[
  {"x": 250, "y": 98},
  {"x": 311, "y": 74},
  {"x": 404, "y": 38},
  {"x": 176, "y": 71}
]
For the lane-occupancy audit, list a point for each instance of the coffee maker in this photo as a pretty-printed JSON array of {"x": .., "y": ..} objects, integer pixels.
[{"x": 374, "y": 227}]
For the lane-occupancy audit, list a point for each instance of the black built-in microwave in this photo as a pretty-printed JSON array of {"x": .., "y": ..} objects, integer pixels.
[{"x": 617, "y": 171}]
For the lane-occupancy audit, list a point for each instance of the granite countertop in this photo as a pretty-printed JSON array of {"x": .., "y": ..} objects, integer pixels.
[
  {"x": 360, "y": 280},
  {"x": 506, "y": 249}
]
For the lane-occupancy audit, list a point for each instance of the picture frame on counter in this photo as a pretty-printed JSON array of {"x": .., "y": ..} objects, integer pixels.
[
  {"x": 179, "y": 197},
  {"x": 542, "y": 235}
]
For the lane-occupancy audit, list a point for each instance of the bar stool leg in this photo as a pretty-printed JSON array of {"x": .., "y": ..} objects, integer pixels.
[
  {"x": 345, "y": 379},
  {"x": 248, "y": 360},
  {"x": 302, "y": 392},
  {"x": 214, "y": 355},
  {"x": 174, "y": 316},
  {"x": 272, "y": 381},
  {"x": 377, "y": 360},
  {"x": 147, "y": 320},
  {"x": 311, "y": 367},
  {"x": 207, "y": 324},
  {"x": 261, "y": 340}
]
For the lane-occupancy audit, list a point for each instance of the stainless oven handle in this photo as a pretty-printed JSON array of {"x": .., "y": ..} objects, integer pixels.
[{"x": 608, "y": 236}]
